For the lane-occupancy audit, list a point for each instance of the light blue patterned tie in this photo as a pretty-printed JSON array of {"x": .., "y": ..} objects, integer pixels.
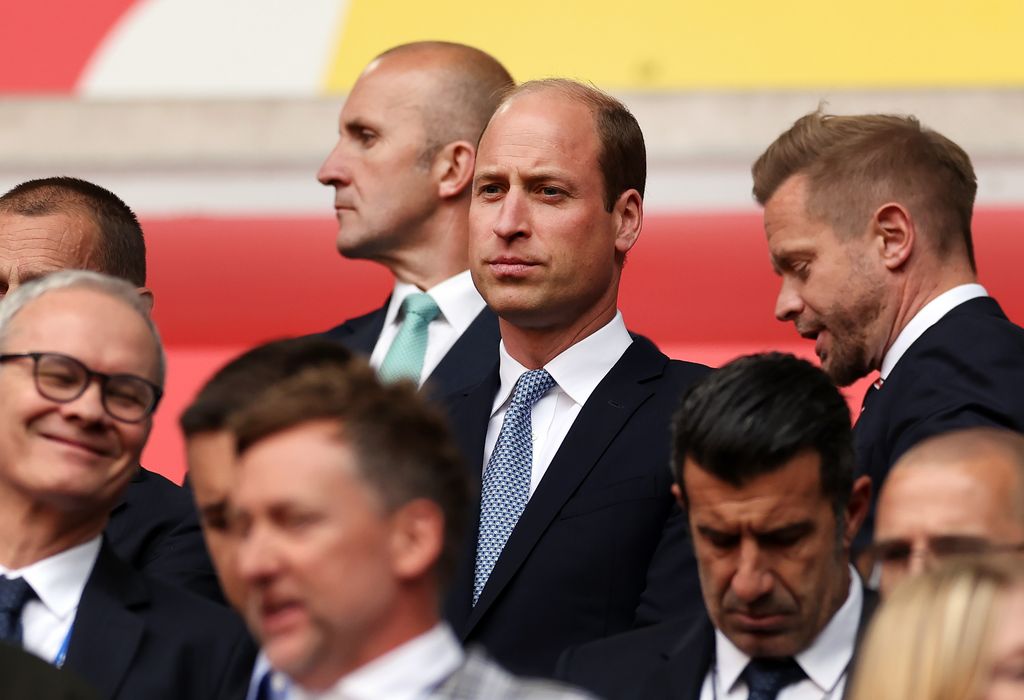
[
  {"x": 506, "y": 486},
  {"x": 405, "y": 356}
]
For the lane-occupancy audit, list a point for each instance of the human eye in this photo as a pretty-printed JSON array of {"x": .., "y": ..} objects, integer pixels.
[
  {"x": 128, "y": 392},
  {"x": 551, "y": 192},
  {"x": 719, "y": 540},
  {"x": 488, "y": 190},
  {"x": 784, "y": 537}
]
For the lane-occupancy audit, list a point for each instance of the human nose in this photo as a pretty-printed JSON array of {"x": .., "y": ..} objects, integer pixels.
[
  {"x": 751, "y": 580},
  {"x": 334, "y": 169},
  {"x": 788, "y": 305},
  {"x": 88, "y": 406},
  {"x": 513, "y": 217},
  {"x": 256, "y": 558}
]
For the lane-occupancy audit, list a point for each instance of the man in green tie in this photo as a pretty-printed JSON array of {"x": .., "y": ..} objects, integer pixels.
[{"x": 401, "y": 172}]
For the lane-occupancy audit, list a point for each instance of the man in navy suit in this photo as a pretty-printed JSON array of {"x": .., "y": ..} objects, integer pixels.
[
  {"x": 763, "y": 459},
  {"x": 577, "y": 535},
  {"x": 63, "y": 223},
  {"x": 401, "y": 172},
  {"x": 81, "y": 372},
  {"x": 868, "y": 220}
]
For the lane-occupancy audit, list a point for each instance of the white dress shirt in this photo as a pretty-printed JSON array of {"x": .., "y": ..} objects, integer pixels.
[
  {"x": 459, "y": 303},
  {"x": 928, "y": 316},
  {"x": 408, "y": 672},
  {"x": 58, "y": 582},
  {"x": 577, "y": 371},
  {"x": 826, "y": 662}
]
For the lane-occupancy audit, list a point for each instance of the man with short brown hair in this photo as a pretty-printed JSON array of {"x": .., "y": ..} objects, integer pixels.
[
  {"x": 350, "y": 510},
  {"x": 868, "y": 224},
  {"x": 577, "y": 536},
  {"x": 401, "y": 173}
]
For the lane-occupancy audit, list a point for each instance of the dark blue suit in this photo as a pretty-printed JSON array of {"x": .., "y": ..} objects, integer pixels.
[
  {"x": 601, "y": 544},
  {"x": 966, "y": 370},
  {"x": 465, "y": 364},
  {"x": 665, "y": 662},
  {"x": 155, "y": 528},
  {"x": 135, "y": 637}
]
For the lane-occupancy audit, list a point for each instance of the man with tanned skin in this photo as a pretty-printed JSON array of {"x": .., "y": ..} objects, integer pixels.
[
  {"x": 953, "y": 494},
  {"x": 401, "y": 172}
]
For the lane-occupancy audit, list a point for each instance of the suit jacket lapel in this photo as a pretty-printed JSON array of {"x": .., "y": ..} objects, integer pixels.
[
  {"x": 607, "y": 410},
  {"x": 472, "y": 357},
  {"x": 106, "y": 632},
  {"x": 687, "y": 662},
  {"x": 360, "y": 334}
]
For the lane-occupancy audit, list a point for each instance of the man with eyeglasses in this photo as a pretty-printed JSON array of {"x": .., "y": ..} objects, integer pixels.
[
  {"x": 954, "y": 494},
  {"x": 81, "y": 371}
]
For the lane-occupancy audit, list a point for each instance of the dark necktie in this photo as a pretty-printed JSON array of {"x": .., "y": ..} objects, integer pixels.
[
  {"x": 14, "y": 593},
  {"x": 766, "y": 677}
]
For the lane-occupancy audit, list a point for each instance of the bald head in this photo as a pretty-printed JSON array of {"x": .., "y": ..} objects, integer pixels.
[
  {"x": 958, "y": 492},
  {"x": 461, "y": 88}
]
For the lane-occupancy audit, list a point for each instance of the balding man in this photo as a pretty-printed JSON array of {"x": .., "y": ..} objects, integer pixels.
[
  {"x": 401, "y": 172},
  {"x": 63, "y": 223},
  {"x": 957, "y": 493}
]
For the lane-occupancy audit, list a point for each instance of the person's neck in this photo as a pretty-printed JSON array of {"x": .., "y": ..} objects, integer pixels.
[
  {"x": 408, "y": 617},
  {"x": 535, "y": 347},
  {"x": 921, "y": 289},
  {"x": 32, "y": 531},
  {"x": 440, "y": 251}
]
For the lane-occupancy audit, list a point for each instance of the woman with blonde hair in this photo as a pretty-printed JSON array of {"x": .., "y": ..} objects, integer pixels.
[{"x": 954, "y": 633}]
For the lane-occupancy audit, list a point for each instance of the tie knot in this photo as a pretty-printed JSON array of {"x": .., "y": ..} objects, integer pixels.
[
  {"x": 421, "y": 304},
  {"x": 531, "y": 386},
  {"x": 14, "y": 593},
  {"x": 766, "y": 677}
]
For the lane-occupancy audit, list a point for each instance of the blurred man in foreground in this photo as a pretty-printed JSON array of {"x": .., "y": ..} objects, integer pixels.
[
  {"x": 953, "y": 494},
  {"x": 350, "y": 511},
  {"x": 81, "y": 372},
  {"x": 764, "y": 466}
]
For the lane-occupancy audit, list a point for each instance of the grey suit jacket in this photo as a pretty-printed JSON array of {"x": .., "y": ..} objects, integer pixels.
[{"x": 480, "y": 678}]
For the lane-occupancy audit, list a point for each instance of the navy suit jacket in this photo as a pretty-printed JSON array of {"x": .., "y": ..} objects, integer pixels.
[
  {"x": 155, "y": 528},
  {"x": 665, "y": 662},
  {"x": 966, "y": 370},
  {"x": 601, "y": 545},
  {"x": 134, "y": 637},
  {"x": 465, "y": 364}
]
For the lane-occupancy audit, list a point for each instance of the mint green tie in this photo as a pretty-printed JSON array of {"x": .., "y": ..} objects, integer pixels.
[{"x": 405, "y": 356}]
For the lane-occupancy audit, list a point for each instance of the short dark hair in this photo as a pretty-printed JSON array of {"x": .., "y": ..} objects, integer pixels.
[
  {"x": 121, "y": 249},
  {"x": 623, "y": 155},
  {"x": 401, "y": 442},
  {"x": 758, "y": 412},
  {"x": 241, "y": 381},
  {"x": 856, "y": 163}
]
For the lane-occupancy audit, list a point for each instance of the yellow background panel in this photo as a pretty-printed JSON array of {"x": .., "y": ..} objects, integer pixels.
[{"x": 708, "y": 44}]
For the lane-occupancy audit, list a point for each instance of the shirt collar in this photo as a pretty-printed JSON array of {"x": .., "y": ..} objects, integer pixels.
[
  {"x": 59, "y": 579},
  {"x": 928, "y": 316},
  {"x": 824, "y": 662},
  {"x": 408, "y": 671},
  {"x": 457, "y": 298},
  {"x": 578, "y": 369}
]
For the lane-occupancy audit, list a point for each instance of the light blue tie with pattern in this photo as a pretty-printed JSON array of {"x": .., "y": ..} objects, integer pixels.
[
  {"x": 404, "y": 359},
  {"x": 506, "y": 484}
]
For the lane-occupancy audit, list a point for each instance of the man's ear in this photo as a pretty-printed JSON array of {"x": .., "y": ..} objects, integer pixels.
[
  {"x": 895, "y": 234},
  {"x": 147, "y": 297},
  {"x": 680, "y": 496},
  {"x": 857, "y": 508},
  {"x": 417, "y": 538},
  {"x": 629, "y": 210},
  {"x": 453, "y": 166}
]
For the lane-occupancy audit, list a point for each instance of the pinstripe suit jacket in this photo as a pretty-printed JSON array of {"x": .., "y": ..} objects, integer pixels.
[{"x": 479, "y": 677}]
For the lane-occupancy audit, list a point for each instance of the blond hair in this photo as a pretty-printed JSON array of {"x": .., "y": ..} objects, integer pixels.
[{"x": 931, "y": 638}]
